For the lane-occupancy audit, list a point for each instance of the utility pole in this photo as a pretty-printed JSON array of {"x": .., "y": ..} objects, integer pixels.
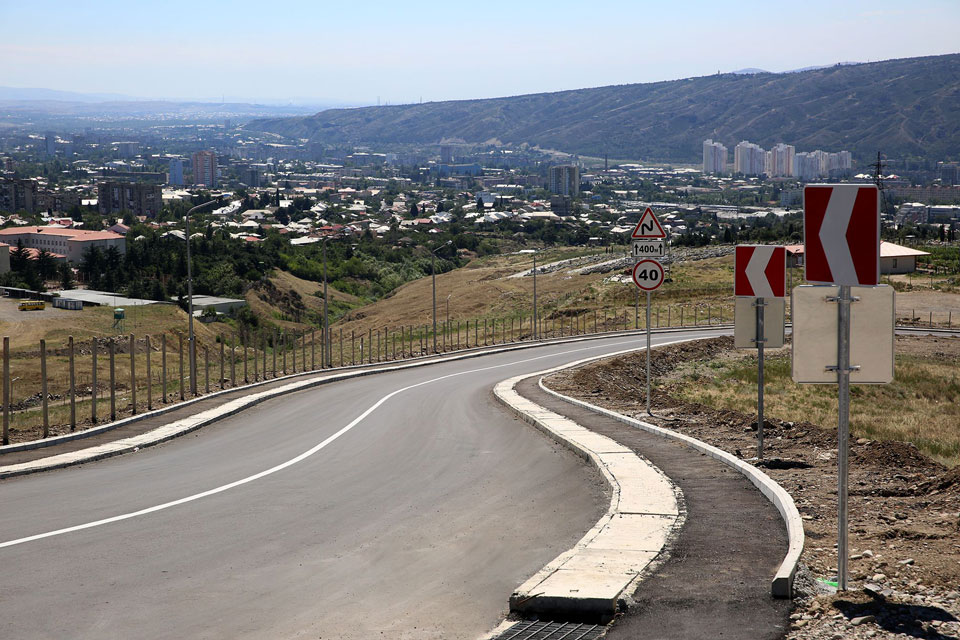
[
  {"x": 327, "y": 343},
  {"x": 191, "y": 343},
  {"x": 433, "y": 278},
  {"x": 536, "y": 316}
]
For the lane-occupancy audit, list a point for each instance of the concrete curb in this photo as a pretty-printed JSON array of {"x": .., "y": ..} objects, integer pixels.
[
  {"x": 191, "y": 423},
  {"x": 782, "y": 583},
  {"x": 593, "y": 579}
]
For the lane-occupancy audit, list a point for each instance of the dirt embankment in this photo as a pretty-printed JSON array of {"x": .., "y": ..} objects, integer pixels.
[{"x": 904, "y": 508}]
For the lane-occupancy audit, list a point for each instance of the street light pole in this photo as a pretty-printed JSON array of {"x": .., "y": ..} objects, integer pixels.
[
  {"x": 327, "y": 343},
  {"x": 191, "y": 343},
  {"x": 536, "y": 316},
  {"x": 433, "y": 278}
]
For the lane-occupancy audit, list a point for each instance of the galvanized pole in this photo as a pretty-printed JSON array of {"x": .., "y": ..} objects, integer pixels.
[
  {"x": 649, "y": 413},
  {"x": 761, "y": 341},
  {"x": 192, "y": 342},
  {"x": 433, "y": 279},
  {"x": 535, "y": 314},
  {"x": 843, "y": 428},
  {"x": 223, "y": 378},
  {"x": 327, "y": 341}
]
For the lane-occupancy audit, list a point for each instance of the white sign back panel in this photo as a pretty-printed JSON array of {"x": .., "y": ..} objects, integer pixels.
[
  {"x": 815, "y": 327},
  {"x": 745, "y": 323}
]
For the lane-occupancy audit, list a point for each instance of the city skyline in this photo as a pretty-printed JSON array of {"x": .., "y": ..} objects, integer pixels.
[{"x": 431, "y": 51}]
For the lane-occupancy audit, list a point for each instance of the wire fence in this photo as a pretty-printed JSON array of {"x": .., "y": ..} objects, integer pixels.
[{"x": 50, "y": 390}]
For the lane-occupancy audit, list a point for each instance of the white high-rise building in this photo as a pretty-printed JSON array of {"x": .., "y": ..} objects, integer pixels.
[
  {"x": 714, "y": 157},
  {"x": 780, "y": 161},
  {"x": 749, "y": 159}
]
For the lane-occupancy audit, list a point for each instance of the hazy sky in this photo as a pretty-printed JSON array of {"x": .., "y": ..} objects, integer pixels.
[{"x": 356, "y": 51}]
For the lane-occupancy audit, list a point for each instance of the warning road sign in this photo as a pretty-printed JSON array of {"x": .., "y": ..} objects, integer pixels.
[
  {"x": 649, "y": 227},
  {"x": 648, "y": 274},
  {"x": 841, "y": 232},
  {"x": 760, "y": 271}
]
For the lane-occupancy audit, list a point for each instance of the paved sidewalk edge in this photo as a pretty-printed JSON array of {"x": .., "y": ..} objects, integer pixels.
[
  {"x": 782, "y": 584},
  {"x": 306, "y": 380},
  {"x": 593, "y": 578}
]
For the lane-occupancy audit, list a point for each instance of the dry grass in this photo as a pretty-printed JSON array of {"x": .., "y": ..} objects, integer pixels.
[{"x": 921, "y": 405}]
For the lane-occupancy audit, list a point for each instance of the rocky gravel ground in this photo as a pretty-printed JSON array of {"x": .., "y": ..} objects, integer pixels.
[{"x": 904, "y": 507}]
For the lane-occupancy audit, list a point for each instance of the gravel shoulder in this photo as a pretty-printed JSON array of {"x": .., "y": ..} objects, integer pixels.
[{"x": 904, "y": 507}]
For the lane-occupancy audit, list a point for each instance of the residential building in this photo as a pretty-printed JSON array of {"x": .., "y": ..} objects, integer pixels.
[
  {"x": 205, "y": 168},
  {"x": 949, "y": 173},
  {"x": 780, "y": 161},
  {"x": 714, "y": 157},
  {"x": 69, "y": 243},
  {"x": 18, "y": 194},
  {"x": 137, "y": 198},
  {"x": 749, "y": 159},
  {"x": 175, "y": 177},
  {"x": 50, "y": 143},
  {"x": 565, "y": 180},
  {"x": 446, "y": 154}
]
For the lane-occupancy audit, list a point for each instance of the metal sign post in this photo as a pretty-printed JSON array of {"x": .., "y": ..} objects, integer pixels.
[
  {"x": 648, "y": 275},
  {"x": 841, "y": 232},
  {"x": 649, "y": 413},
  {"x": 843, "y": 430},
  {"x": 760, "y": 340}
]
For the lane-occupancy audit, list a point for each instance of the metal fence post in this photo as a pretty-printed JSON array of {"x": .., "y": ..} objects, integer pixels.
[
  {"x": 206, "y": 368},
  {"x": 163, "y": 365},
  {"x": 133, "y": 374},
  {"x": 113, "y": 381},
  {"x": 43, "y": 388},
  {"x": 233, "y": 360},
  {"x": 6, "y": 390},
  {"x": 146, "y": 342},
  {"x": 73, "y": 388},
  {"x": 246, "y": 378},
  {"x": 93, "y": 385},
  {"x": 223, "y": 377},
  {"x": 313, "y": 349},
  {"x": 180, "y": 361}
]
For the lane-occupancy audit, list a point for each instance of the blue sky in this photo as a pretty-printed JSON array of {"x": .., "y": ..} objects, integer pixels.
[{"x": 357, "y": 52}]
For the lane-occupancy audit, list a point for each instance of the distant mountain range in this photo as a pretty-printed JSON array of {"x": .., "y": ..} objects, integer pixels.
[
  {"x": 19, "y": 101},
  {"x": 906, "y": 107}
]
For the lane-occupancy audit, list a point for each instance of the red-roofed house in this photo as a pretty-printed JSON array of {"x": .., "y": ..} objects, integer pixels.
[{"x": 70, "y": 243}]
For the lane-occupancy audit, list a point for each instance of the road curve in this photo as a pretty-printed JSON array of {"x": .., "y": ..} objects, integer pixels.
[{"x": 403, "y": 505}]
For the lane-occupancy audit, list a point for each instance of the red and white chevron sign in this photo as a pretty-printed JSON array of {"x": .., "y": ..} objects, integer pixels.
[
  {"x": 760, "y": 271},
  {"x": 841, "y": 234}
]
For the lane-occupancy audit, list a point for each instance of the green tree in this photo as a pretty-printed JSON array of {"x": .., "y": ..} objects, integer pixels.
[{"x": 66, "y": 276}]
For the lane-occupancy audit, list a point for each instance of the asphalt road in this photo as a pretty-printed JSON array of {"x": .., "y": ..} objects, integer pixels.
[{"x": 399, "y": 505}]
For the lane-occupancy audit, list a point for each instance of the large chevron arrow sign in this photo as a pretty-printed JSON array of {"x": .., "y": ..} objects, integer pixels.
[
  {"x": 760, "y": 271},
  {"x": 841, "y": 234}
]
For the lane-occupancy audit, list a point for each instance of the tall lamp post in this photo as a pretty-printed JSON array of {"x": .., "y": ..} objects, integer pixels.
[
  {"x": 536, "y": 316},
  {"x": 433, "y": 277},
  {"x": 191, "y": 343},
  {"x": 327, "y": 343}
]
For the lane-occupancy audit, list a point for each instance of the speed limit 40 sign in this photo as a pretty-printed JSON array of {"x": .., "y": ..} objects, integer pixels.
[{"x": 648, "y": 274}]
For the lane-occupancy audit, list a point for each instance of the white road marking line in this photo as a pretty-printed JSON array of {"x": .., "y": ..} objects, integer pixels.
[{"x": 303, "y": 456}]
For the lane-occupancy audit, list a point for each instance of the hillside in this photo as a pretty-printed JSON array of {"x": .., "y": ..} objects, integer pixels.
[{"x": 904, "y": 107}]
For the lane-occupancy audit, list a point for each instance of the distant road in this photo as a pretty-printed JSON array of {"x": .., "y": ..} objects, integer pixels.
[{"x": 416, "y": 521}]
